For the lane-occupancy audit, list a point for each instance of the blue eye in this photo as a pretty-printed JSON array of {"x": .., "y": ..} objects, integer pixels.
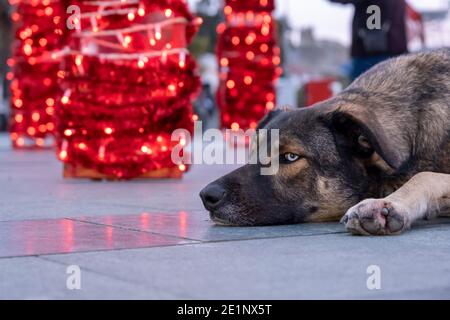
[{"x": 290, "y": 157}]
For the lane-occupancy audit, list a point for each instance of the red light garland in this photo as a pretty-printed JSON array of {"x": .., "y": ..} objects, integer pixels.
[
  {"x": 128, "y": 84},
  {"x": 249, "y": 62},
  {"x": 39, "y": 33}
]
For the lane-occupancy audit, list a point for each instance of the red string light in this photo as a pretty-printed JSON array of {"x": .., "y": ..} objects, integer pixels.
[
  {"x": 249, "y": 62},
  {"x": 128, "y": 84},
  {"x": 39, "y": 32}
]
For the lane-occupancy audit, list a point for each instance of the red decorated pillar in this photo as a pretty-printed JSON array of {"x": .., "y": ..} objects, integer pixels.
[
  {"x": 249, "y": 62},
  {"x": 128, "y": 84},
  {"x": 40, "y": 35}
]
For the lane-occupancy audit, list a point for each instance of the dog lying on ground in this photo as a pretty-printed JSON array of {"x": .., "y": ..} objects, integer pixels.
[{"x": 379, "y": 151}]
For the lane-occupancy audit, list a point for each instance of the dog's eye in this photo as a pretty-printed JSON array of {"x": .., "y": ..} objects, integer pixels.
[{"x": 290, "y": 157}]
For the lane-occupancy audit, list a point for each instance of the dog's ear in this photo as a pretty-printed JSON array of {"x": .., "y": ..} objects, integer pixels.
[
  {"x": 359, "y": 132},
  {"x": 271, "y": 115}
]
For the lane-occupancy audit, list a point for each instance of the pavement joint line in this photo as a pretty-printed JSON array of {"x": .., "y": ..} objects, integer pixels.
[
  {"x": 107, "y": 275},
  {"x": 96, "y": 250},
  {"x": 419, "y": 224},
  {"x": 128, "y": 228},
  {"x": 193, "y": 242},
  {"x": 21, "y": 256},
  {"x": 49, "y": 259},
  {"x": 202, "y": 240},
  {"x": 190, "y": 241}
]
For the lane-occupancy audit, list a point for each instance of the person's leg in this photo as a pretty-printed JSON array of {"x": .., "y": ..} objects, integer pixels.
[{"x": 362, "y": 64}]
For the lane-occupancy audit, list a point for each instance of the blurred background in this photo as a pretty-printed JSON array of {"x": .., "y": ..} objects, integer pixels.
[{"x": 315, "y": 37}]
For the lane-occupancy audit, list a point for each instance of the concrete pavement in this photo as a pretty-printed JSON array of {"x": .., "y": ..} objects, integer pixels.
[{"x": 153, "y": 239}]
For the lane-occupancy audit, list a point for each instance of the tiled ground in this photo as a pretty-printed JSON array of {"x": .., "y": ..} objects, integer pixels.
[{"x": 152, "y": 239}]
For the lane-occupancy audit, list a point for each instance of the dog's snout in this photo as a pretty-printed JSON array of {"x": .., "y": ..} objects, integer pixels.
[{"x": 212, "y": 195}]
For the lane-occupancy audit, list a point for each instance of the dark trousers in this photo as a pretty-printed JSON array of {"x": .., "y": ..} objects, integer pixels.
[{"x": 362, "y": 64}]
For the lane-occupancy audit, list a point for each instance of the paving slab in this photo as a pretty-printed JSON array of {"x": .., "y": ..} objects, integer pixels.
[
  {"x": 53, "y": 236},
  {"x": 153, "y": 239},
  {"x": 34, "y": 180},
  {"x": 198, "y": 226},
  {"x": 325, "y": 266},
  {"x": 32, "y": 278}
]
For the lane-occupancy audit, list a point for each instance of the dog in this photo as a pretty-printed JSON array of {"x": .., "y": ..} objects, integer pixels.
[{"x": 376, "y": 156}]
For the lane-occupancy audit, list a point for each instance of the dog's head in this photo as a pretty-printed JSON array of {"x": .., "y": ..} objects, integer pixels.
[{"x": 327, "y": 155}]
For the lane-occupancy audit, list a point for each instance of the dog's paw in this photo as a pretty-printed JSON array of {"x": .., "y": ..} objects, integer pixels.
[{"x": 376, "y": 217}]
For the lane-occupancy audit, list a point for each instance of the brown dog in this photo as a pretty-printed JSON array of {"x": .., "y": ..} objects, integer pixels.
[{"x": 387, "y": 136}]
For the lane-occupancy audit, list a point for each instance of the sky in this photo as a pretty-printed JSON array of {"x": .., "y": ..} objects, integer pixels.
[{"x": 330, "y": 20}]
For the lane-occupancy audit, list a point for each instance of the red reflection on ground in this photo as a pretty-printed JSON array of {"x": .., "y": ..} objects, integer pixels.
[
  {"x": 109, "y": 232},
  {"x": 46, "y": 236},
  {"x": 145, "y": 221},
  {"x": 182, "y": 223},
  {"x": 67, "y": 238}
]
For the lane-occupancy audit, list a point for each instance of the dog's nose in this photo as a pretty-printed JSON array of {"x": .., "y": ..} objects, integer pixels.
[{"x": 212, "y": 195}]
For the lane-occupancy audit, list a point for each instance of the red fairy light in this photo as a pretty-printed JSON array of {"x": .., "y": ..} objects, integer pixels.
[
  {"x": 248, "y": 58},
  {"x": 33, "y": 71},
  {"x": 63, "y": 155},
  {"x": 82, "y": 146},
  {"x": 122, "y": 103},
  {"x": 109, "y": 130}
]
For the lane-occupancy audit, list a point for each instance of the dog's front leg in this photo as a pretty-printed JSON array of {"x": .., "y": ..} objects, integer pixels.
[{"x": 424, "y": 196}]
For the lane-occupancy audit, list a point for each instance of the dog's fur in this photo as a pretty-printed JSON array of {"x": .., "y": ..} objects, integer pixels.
[{"x": 386, "y": 136}]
